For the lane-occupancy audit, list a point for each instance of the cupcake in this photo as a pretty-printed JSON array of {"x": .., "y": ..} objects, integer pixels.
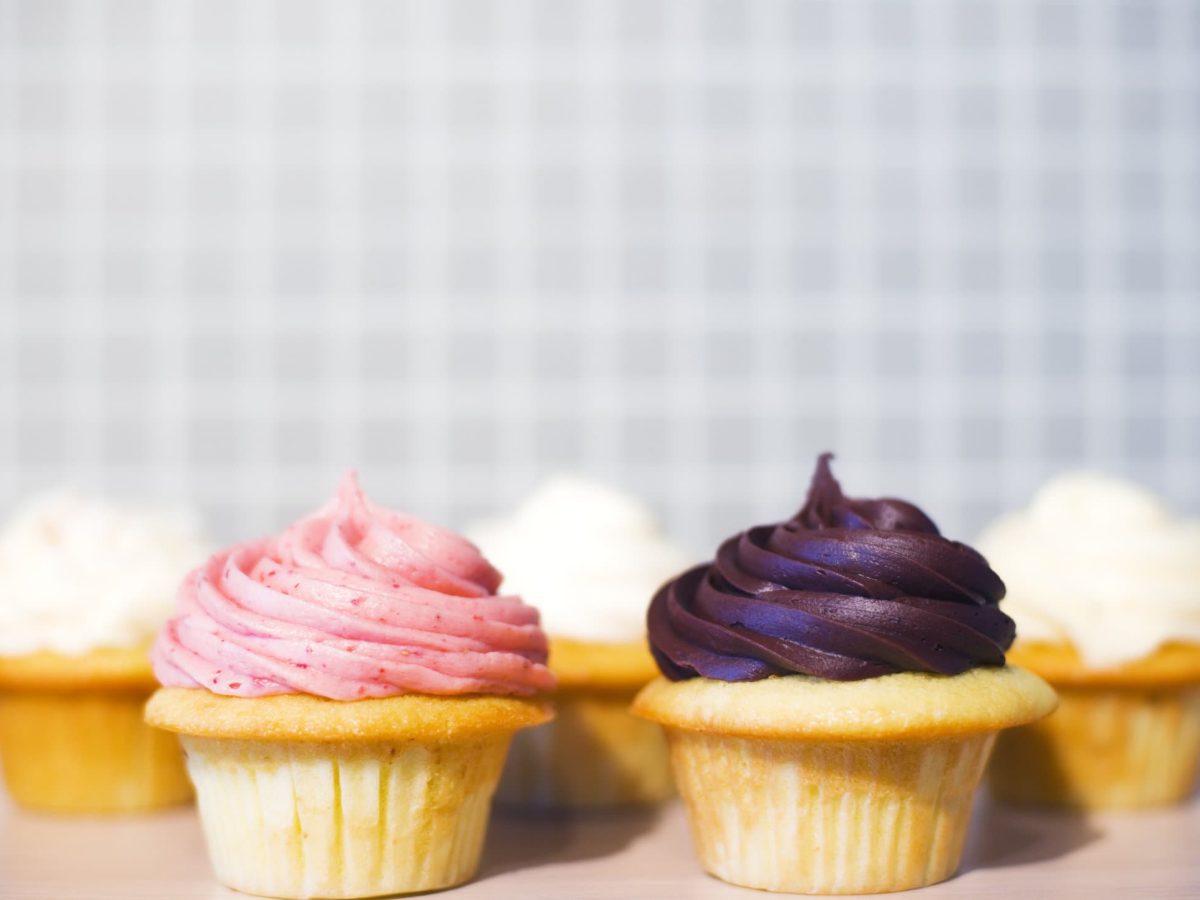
[
  {"x": 833, "y": 687},
  {"x": 1105, "y": 588},
  {"x": 587, "y": 557},
  {"x": 346, "y": 693},
  {"x": 84, "y": 584}
]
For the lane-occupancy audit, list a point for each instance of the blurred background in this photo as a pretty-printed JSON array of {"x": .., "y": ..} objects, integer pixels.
[{"x": 680, "y": 246}]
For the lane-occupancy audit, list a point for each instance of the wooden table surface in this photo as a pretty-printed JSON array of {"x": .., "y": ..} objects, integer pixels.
[{"x": 631, "y": 857}]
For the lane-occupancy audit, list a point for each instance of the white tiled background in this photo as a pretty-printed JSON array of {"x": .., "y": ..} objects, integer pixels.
[{"x": 681, "y": 245}]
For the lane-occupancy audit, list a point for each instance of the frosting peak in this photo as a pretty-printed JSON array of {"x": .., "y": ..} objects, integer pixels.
[
  {"x": 846, "y": 589},
  {"x": 352, "y": 601},
  {"x": 828, "y": 507},
  {"x": 1101, "y": 564}
]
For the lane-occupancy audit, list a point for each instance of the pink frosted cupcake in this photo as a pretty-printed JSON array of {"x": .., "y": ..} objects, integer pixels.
[{"x": 346, "y": 694}]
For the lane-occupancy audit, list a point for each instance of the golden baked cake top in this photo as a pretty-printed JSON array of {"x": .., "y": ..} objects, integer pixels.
[
  {"x": 903, "y": 705},
  {"x": 1172, "y": 664},
  {"x": 111, "y": 668},
  {"x": 588, "y": 665},
  {"x": 301, "y": 717}
]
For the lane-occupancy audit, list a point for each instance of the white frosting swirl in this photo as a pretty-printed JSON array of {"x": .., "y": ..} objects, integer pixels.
[
  {"x": 78, "y": 573},
  {"x": 1101, "y": 564},
  {"x": 588, "y": 557}
]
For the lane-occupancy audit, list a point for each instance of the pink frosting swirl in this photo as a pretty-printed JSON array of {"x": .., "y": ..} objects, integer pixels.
[{"x": 353, "y": 601}]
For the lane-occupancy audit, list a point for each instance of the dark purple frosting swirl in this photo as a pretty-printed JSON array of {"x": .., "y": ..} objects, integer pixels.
[{"x": 846, "y": 589}]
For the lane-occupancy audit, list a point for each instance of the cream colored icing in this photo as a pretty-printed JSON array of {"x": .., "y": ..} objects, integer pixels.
[
  {"x": 589, "y": 557},
  {"x": 1099, "y": 563},
  {"x": 79, "y": 573}
]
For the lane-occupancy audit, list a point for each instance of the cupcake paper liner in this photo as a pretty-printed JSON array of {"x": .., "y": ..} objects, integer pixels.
[
  {"x": 315, "y": 819},
  {"x": 594, "y": 755},
  {"x": 813, "y": 786},
  {"x": 1105, "y": 748},
  {"x": 828, "y": 817},
  {"x": 88, "y": 752}
]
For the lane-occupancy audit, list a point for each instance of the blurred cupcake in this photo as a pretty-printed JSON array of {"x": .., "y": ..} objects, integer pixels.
[
  {"x": 84, "y": 584},
  {"x": 1105, "y": 588},
  {"x": 587, "y": 557},
  {"x": 834, "y": 685},
  {"x": 346, "y": 694}
]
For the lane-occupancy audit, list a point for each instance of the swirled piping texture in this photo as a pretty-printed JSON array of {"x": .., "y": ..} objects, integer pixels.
[
  {"x": 846, "y": 589},
  {"x": 354, "y": 601}
]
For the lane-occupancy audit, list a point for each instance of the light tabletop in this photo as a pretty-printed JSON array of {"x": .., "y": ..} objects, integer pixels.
[{"x": 631, "y": 857}]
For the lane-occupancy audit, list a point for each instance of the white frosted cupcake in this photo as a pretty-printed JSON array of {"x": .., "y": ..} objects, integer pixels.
[
  {"x": 1104, "y": 585},
  {"x": 84, "y": 585},
  {"x": 589, "y": 558}
]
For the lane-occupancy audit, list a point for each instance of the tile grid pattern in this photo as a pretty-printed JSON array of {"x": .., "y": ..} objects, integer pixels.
[{"x": 683, "y": 246}]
